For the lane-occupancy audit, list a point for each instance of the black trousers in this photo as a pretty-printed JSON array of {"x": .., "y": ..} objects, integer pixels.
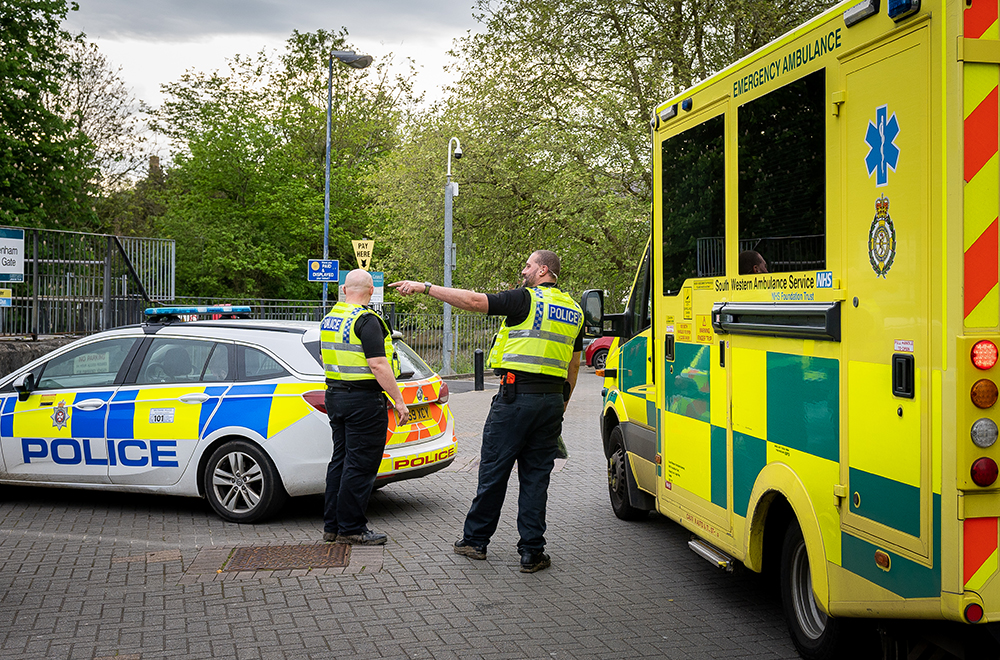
[{"x": 359, "y": 422}]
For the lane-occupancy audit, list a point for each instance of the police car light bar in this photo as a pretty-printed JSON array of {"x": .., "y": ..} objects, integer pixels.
[{"x": 216, "y": 309}]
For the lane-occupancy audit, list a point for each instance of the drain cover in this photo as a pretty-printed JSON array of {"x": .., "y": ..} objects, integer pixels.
[{"x": 279, "y": 557}]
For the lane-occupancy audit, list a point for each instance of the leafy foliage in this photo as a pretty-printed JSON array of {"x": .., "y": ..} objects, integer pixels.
[
  {"x": 245, "y": 194},
  {"x": 552, "y": 108},
  {"x": 45, "y": 161}
]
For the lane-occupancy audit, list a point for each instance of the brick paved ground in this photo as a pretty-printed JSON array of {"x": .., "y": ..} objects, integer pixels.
[{"x": 90, "y": 575}]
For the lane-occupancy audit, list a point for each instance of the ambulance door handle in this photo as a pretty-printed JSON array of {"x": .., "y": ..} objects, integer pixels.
[
  {"x": 199, "y": 397},
  {"x": 89, "y": 404}
]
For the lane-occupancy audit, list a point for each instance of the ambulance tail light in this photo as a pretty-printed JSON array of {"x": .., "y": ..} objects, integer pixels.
[
  {"x": 984, "y": 393},
  {"x": 444, "y": 394},
  {"x": 974, "y": 613},
  {"x": 984, "y": 472},
  {"x": 984, "y": 354},
  {"x": 316, "y": 399}
]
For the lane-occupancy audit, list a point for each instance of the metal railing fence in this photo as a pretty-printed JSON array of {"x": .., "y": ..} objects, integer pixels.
[
  {"x": 425, "y": 334},
  {"x": 77, "y": 283}
]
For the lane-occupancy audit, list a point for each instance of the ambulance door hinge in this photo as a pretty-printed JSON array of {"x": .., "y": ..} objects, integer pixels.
[
  {"x": 838, "y": 99},
  {"x": 840, "y": 492}
]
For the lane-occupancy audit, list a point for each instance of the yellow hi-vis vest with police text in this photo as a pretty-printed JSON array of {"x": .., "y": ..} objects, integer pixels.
[
  {"x": 343, "y": 357},
  {"x": 543, "y": 342}
]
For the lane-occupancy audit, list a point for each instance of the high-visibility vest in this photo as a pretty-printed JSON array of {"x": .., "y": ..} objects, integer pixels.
[
  {"x": 543, "y": 342},
  {"x": 343, "y": 357}
]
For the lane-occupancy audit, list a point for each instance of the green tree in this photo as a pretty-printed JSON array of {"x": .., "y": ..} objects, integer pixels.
[
  {"x": 244, "y": 194},
  {"x": 552, "y": 106},
  {"x": 45, "y": 160}
]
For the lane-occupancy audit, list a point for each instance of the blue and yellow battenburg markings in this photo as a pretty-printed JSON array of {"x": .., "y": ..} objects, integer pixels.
[{"x": 144, "y": 425}]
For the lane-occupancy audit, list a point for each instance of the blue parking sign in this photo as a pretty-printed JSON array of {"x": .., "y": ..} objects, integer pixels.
[{"x": 323, "y": 270}]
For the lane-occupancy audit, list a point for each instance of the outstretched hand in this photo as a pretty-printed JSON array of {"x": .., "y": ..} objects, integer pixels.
[{"x": 408, "y": 287}]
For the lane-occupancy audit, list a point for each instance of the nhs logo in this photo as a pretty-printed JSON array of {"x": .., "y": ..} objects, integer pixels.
[
  {"x": 824, "y": 279},
  {"x": 564, "y": 315}
]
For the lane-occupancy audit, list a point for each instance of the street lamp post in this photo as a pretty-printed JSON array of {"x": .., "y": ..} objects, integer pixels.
[
  {"x": 450, "y": 190},
  {"x": 350, "y": 58}
]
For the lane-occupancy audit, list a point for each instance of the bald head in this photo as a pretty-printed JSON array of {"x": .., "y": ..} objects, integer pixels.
[{"x": 358, "y": 287}]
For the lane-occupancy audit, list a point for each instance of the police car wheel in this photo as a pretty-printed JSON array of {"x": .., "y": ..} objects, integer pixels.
[
  {"x": 618, "y": 479},
  {"x": 816, "y": 635},
  {"x": 242, "y": 484},
  {"x": 600, "y": 359}
]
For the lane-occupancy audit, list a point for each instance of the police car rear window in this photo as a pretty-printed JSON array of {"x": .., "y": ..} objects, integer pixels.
[{"x": 411, "y": 367}]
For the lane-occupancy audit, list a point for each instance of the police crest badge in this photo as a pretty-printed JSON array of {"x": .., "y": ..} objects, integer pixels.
[
  {"x": 60, "y": 416},
  {"x": 882, "y": 239}
]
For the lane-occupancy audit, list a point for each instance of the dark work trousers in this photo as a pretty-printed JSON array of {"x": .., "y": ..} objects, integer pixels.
[
  {"x": 359, "y": 422},
  {"x": 524, "y": 431}
]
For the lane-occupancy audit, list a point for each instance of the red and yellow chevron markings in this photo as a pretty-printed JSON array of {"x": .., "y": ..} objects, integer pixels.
[
  {"x": 982, "y": 174},
  {"x": 980, "y": 552}
]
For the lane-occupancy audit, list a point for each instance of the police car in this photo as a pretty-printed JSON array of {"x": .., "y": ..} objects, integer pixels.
[{"x": 227, "y": 408}]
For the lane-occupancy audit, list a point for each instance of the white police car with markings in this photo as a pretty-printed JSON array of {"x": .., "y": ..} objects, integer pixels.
[{"x": 230, "y": 409}]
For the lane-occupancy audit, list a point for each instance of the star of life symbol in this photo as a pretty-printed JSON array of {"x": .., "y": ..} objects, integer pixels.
[
  {"x": 882, "y": 239},
  {"x": 60, "y": 416},
  {"x": 883, "y": 154}
]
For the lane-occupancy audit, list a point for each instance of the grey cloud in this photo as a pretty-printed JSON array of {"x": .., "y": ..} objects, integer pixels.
[{"x": 181, "y": 20}]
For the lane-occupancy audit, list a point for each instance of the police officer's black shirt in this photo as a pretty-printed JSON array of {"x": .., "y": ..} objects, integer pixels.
[
  {"x": 516, "y": 305},
  {"x": 372, "y": 334}
]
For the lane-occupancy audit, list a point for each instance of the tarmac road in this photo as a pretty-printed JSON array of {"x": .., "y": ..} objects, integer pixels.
[{"x": 97, "y": 575}]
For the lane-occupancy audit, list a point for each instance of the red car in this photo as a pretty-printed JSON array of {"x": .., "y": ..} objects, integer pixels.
[{"x": 597, "y": 352}]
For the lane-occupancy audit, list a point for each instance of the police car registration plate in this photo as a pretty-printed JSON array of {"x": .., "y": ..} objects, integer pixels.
[{"x": 420, "y": 413}]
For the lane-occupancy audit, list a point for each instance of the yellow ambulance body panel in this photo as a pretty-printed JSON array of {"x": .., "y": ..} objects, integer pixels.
[{"x": 822, "y": 265}]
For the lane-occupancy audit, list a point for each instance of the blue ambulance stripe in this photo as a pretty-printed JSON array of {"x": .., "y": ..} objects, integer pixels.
[
  {"x": 9, "y": 403},
  {"x": 907, "y": 578},
  {"x": 89, "y": 423},
  {"x": 719, "y": 466},
  {"x": 749, "y": 458},
  {"x": 121, "y": 413}
]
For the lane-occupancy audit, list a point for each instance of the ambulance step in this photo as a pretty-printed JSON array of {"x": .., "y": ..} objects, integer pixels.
[{"x": 712, "y": 554}]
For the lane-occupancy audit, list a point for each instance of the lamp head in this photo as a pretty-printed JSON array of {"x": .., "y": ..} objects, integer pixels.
[
  {"x": 350, "y": 58},
  {"x": 458, "y": 152}
]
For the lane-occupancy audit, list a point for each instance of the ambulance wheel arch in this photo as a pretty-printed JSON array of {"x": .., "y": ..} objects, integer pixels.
[
  {"x": 770, "y": 519},
  {"x": 610, "y": 420},
  {"x": 240, "y": 481}
]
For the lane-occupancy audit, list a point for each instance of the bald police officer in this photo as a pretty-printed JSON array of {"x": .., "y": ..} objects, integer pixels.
[{"x": 357, "y": 352}]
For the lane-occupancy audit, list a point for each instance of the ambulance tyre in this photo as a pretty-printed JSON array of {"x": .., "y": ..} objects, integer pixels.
[
  {"x": 618, "y": 478},
  {"x": 242, "y": 484},
  {"x": 816, "y": 635}
]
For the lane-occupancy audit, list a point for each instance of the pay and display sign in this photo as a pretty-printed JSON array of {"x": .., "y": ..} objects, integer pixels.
[
  {"x": 323, "y": 270},
  {"x": 11, "y": 255}
]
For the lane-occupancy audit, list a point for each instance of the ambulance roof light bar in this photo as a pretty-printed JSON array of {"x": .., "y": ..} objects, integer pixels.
[{"x": 860, "y": 12}]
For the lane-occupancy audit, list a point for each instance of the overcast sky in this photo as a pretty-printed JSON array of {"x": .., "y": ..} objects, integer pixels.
[{"x": 155, "y": 42}]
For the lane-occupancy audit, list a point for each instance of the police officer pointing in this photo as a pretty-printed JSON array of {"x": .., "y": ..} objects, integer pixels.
[
  {"x": 357, "y": 350},
  {"x": 537, "y": 355}
]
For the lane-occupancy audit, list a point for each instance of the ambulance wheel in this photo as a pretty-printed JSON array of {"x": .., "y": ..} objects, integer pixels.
[
  {"x": 618, "y": 479},
  {"x": 242, "y": 484},
  {"x": 600, "y": 359},
  {"x": 816, "y": 635}
]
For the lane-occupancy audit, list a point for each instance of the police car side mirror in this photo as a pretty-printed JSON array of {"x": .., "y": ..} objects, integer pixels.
[
  {"x": 23, "y": 385},
  {"x": 592, "y": 303}
]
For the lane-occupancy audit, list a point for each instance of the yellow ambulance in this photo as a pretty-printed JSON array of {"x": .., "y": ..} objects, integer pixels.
[{"x": 807, "y": 375}]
